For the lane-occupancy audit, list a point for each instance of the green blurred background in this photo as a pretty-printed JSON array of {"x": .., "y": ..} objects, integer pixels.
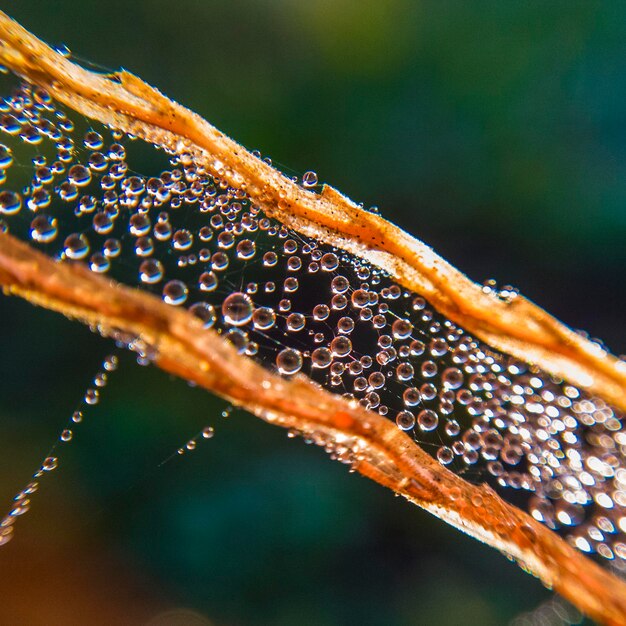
[{"x": 495, "y": 131}]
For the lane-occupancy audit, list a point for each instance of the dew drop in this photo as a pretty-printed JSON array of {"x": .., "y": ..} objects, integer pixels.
[
  {"x": 205, "y": 313},
  {"x": 175, "y": 292},
  {"x": 10, "y": 202},
  {"x": 289, "y": 361},
  {"x": 237, "y": 309},
  {"x": 427, "y": 420},
  {"x": 309, "y": 179}
]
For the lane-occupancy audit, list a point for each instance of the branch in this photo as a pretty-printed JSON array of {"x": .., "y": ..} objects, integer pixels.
[
  {"x": 373, "y": 445},
  {"x": 517, "y": 327}
]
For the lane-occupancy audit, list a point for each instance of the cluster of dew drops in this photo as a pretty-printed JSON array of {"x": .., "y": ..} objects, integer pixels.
[
  {"x": 22, "y": 500},
  {"x": 297, "y": 305}
]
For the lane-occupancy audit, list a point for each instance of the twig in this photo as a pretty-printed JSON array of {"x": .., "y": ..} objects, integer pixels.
[
  {"x": 372, "y": 444},
  {"x": 517, "y": 327}
]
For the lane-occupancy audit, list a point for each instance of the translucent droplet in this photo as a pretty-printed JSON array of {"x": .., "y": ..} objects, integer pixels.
[
  {"x": 295, "y": 322},
  {"x": 427, "y": 420},
  {"x": 329, "y": 262},
  {"x": 445, "y": 456},
  {"x": 76, "y": 246},
  {"x": 237, "y": 309},
  {"x": 204, "y": 312},
  {"x": 452, "y": 378},
  {"x": 321, "y": 357},
  {"x": 341, "y": 346},
  {"x": 405, "y": 420},
  {"x": 207, "y": 281},
  {"x": 246, "y": 249},
  {"x": 264, "y": 318},
  {"x": 79, "y": 175},
  {"x": 10, "y": 202},
  {"x": 66, "y": 435},
  {"x": 6, "y": 157},
  {"x": 402, "y": 329},
  {"x": 43, "y": 229},
  {"x": 92, "y": 396},
  {"x": 289, "y": 361},
  {"x": 49, "y": 464},
  {"x": 93, "y": 140},
  {"x": 309, "y": 179},
  {"x": 151, "y": 271},
  {"x": 175, "y": 292}
]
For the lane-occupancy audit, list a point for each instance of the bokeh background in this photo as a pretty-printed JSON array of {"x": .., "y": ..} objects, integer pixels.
[{"x": 495, "y": 131}]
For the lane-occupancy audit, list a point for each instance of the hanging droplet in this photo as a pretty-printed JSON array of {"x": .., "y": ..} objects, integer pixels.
[{"x": 237, "y": 309}]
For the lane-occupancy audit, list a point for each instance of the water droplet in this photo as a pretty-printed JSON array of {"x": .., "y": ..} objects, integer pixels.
[
  {"x": 6, "y": 157},
  {"x": 405, "y": 420},
  {"x": 151, "y": 271},
  {"x": 49, "y": 464},
  {"x": 289, "y": 361},
  {"x": 43, "y": 229},
  {"x": 79, "y": 175},
  {"x": 175, "y": 292},
  {"x": 10, "y": 202},
  {"x": 264, "y": 318},
  {"x": 76, "y": 246},
  {"x": 204, "y": 312},
  {"x": 237, "y": 309},
  {"x": 66, "y": 435},
  {"x": 427, "y": 420},
  {"x": 309, "y": 179}
]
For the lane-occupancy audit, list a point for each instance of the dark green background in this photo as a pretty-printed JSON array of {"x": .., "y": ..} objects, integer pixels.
[{"x": 495, "y": 131}]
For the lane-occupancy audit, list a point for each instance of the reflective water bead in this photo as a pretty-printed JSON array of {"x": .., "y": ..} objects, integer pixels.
[
  {"x": 411, "y": 396},
  {"x": 99, "y": 263},
  {"x": 270, "y": 259},
  {"x": 151, "y": 271},
  {"x": 445, "y": 456},
  {"x": 427, "y": 420},
  {"x": 43, "y": 229},
  {"x": 321, "y": 357},
  {"x": 339, "y": 284},
  {"x": 76, "y": 246},
  {"x": 329, "y": 262},
  {"x": 309, "y": 179},
  {"x": 401, "y": 328},
  {"x": 405, "y": 420},
  {"x": 175, "y": 292},
  {"x": 79, "y": 175},
  {"x": 341, "y": 346},
  {"x": 246, "y": 249},
  {"x": 264, "y": 318},
  {"x": 321, "y": 312},
  {"x": 237, "y": 309},
  {"x": 66, "y": 435},
  {"x": 49, "y": 464},
  {"x": 6, "y": 157},
  {"x": 295, "y": 322},
  {"x": 289, "y": 361},
  {"x": 182, "y": 239},
  {"x": 10, "y": 202},
  {"x": 208, "y": 281},
  {"x": 205, "y": 313},
  {"x": 93, "y": 140},
  {"x": 92, "y": 396},
  {"x": 452, "y": 378}
]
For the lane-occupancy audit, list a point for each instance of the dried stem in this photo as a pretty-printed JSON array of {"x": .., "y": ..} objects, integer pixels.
[
  {"x": 374, "y": 446},
  {"x": 517, "y": 327},
  {"x": 371, "y": 443}
]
